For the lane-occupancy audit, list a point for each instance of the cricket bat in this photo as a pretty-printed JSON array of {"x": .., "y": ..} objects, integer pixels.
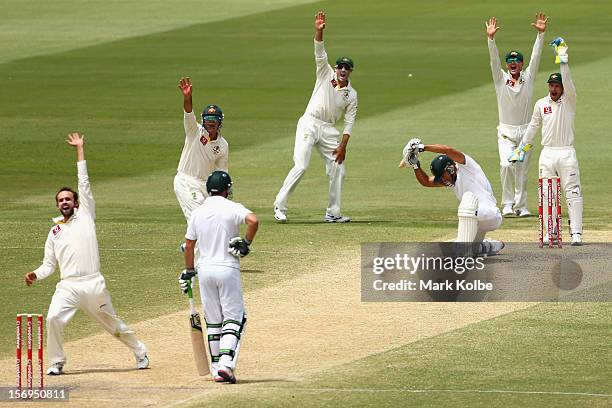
[{"x": 197, "y": 337}]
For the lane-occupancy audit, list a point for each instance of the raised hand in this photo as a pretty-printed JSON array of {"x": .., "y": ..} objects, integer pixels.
[
  {"x": 492, "y": 27},
  {"x": 320, "y": 21},
  {"x": 540, "y": 23},
  {"x": 185, "y": 86},
  {"x": 75, "y": 139}
]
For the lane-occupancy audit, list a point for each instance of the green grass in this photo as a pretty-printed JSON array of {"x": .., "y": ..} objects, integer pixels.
[
  {"x": 114, "y": 78},
  {"x": 526, "y": 358}
]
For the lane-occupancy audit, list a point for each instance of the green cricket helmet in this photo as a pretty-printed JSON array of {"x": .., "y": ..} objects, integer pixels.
[
  {"x": 213, "y": 112},
  {"x": 218, "y": 182},
  {"x": 441, "y": 164}
]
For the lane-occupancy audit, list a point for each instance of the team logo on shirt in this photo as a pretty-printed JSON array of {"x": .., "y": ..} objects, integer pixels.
[
  {"x": 547, "y": 109},
  {"x": 334, "y": 82},
  {"x": 510, "y": 83},
  {"x": 56, "y": 230},
  {"x": 204, "y": 140},
  {"x": 216, "y": 149}
]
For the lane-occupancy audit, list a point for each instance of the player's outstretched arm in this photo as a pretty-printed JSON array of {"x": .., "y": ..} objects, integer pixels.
[
  {"x": 319, "y": 25},
  {"x": 186, "y": 89},
  {"x": 496, "y": 69},
  {"x": 455, "y": 155},
  {"x": 536, "y": 52},
  {"x": 78, "y": 141}
]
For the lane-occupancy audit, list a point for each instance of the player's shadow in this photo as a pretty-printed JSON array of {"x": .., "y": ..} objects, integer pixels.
[
  {"x": 318, "y": 222},
  {"x": 267, "y": 380},
  {"x": 251, "y": 271}
]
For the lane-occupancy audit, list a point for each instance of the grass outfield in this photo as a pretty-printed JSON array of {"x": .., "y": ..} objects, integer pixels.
[
  {"x": 532, "y": 358},
  {"x": 116, "y": 82}
]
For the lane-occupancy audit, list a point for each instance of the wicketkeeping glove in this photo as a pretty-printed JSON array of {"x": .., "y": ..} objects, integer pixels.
[
  {"x": 560, "y": 47},
  {"x": 518, "y": 155},
  {"x": 239, "y": 247},
  {"x": 186, "y": 279}
]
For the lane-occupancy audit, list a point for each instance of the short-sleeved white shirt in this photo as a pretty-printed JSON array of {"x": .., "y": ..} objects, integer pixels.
[
  {"x": 470, "y": 177},
  {"x": 213, "y": 224}
]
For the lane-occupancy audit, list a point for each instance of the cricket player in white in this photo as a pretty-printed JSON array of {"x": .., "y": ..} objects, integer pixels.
[
  {"x": 478, "y": 212},
  {"x": 514, "y": 90},
  {"x": 555, "y": 114},
  {"x": 205, "y": 151},
  {"x": 332, "y": 97},
  {"x": 72, "y": 244},
  {"x": 215, "y": 228}
]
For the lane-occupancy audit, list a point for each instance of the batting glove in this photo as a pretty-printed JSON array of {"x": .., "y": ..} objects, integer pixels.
[
  {"x": 560, "y": 47},
  {"x": 239, "y": 247},
  {"x": 186, "y": 279}
]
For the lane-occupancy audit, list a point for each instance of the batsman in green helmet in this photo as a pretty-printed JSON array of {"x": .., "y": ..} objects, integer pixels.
[{"x": 478, "y": 212}]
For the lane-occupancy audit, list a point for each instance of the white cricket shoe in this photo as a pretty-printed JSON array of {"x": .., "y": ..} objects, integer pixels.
[
  {"x": 491, "y": 247},
  {"x": 336, "y": 218},
  {"x": 227, "y": 374},
  {"x": 142, "y": 363},
  {"x": 507, "y": 210},
  {"x": 576, "y": 239},
  {"x": 56, "y": 369},
  {"x": 523, "y": 212},
  {"x": 279, "y": 215}
]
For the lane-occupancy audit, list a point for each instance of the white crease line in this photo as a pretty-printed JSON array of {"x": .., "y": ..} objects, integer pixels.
[
  {"x": 425, "y": 391},
  {"x": 174, "y": 250}
]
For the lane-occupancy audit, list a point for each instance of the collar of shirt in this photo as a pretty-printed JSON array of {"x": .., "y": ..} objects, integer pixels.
[
  {"x": 60, "y": 219},
  {"x": 520, "y": 80},
  {"x": 550, "y": 100}
]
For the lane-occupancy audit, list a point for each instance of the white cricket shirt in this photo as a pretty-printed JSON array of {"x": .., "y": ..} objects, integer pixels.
[
  {"x": 555, "y": 118},
  {"x": 201, "y": 156},
  {"x": 329, "y": 102},
  {"x": 73, "y": 244},
  {"x": 470, "y": 177},
  {"x": 213, "y": 224},
  {"x": 514, "y": 97}
]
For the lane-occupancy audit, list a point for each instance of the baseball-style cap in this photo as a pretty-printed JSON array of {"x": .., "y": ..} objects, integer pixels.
[
  {"x": 555, "y": 78},
  {"x": 514, "y": 56},
  {"x": 345, "y": 60}
]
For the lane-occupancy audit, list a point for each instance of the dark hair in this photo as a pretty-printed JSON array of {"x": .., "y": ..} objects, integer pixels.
[{"x": 75, "y": 195}]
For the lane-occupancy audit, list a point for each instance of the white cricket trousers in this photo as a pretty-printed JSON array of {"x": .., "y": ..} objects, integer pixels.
[
  {"x": 489, "y": 219},
  {"x": 190, "y": 192},
  {"x": 223, "y": 303},
  {"x": 89, "y": 294},
  {"x": 513, "y": 175},
  {"x": 312, "y": 132},
  {"x": 562, "y": 162}
]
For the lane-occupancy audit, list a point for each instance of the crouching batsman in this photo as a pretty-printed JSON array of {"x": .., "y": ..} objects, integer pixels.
[{"x": 478, "y": 212}]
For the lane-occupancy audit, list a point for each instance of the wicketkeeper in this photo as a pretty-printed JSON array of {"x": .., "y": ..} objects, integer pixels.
[
  {"x": 478, "y": 212},
  {"x": 215, "y": 228},
  {"x": 555, "y": 114}
]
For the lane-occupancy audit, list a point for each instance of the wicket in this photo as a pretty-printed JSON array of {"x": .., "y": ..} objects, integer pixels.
[
  {"x": 553, "y": 204},
  {"x": 29, "y": 346}
]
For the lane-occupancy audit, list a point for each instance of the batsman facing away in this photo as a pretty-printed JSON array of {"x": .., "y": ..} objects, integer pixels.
[{"x": 215, "y": 227}]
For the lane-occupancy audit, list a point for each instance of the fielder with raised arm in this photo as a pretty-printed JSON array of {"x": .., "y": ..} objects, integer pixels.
[
  {"x": 332, "y": 97},
  {"x": 514, "y": 90},
  {"x": 204, "y": 151},
  {"x": 555, "y": 114},
  {"x": 478, "y": 212},
  {"x": 72, "y": 244},
  {"x": 215, "y": 228}
]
